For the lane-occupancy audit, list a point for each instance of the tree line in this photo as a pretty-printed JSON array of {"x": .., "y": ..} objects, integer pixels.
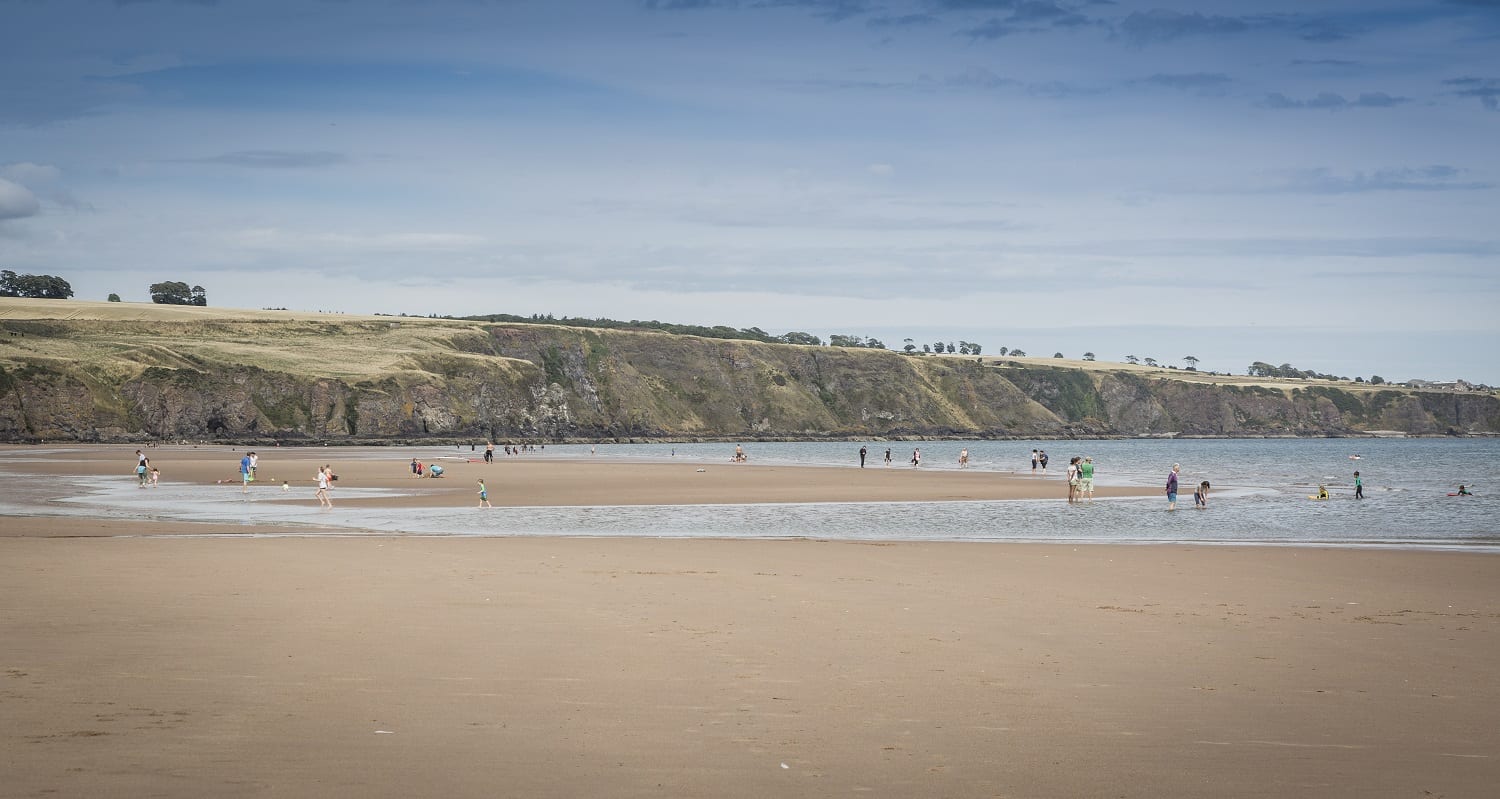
[{"x": 52, "y": 287}]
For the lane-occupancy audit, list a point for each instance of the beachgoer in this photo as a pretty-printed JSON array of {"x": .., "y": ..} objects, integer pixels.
[
  {"x": 1172, "y": 487},
  {"x": 420, "y": 467},
  {"x": 1463, "y": 491},
  {"x": 141, "y": 475},
  {"x": 1322, "y": 492},
  {"x": 1042, "y": 458},
  {"x": 245, "y": 477},
  {"x": 434, "y": 471},
  {"x": 1086, "y": 478},
  {"x": 1073, "y": 478},
  {"x": 1034, "y": 461},
  {"x": 862, "y": 453},
  {"x": 484, "y": 496},
  {"x": 155, "y": 476},
  {"x": 1200, "y": 496},
  {"x": 963, "y": 458},
  {"x": 916, "y": 457},
  {"x": 1359, "y": 487},
  {"x": 887, "y": 457},
  {"x": 254, "y": 465},
  {"x": 416, "y": 468},
  {"x": 324, "y": 501},
  {"x": 489, "y": 452}
]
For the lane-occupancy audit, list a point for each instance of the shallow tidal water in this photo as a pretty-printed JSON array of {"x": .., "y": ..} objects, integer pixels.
[{"x": 1260, "y": 496}]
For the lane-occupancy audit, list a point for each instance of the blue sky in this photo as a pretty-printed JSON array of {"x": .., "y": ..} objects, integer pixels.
[{"x": 1307, "y": 182}]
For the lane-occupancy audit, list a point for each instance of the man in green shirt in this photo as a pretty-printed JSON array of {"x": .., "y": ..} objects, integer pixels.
[{"x": 1086, "y": 479}]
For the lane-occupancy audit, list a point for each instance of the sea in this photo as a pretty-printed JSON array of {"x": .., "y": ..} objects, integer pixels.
[{"x": 1259, "y": 497}]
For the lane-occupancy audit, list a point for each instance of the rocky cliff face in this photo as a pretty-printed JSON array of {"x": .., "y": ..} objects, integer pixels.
[{"x": 88, "y": 381}]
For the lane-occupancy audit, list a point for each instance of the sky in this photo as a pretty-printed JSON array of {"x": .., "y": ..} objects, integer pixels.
[{"x": 1314, "y": 183}]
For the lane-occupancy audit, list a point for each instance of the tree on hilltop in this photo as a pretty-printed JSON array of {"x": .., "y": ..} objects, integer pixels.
[
  {"x": 1192, "y": 363},
  {"x": 38, "y": 287},
  {"x": 1088, "y": 356},
  {"x": 1132, "y": 360},
  {"x": 175, "y": 292}
]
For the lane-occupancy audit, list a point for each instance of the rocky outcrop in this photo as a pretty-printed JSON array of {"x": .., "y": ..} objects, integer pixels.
[{"x": 363, "y": 381}]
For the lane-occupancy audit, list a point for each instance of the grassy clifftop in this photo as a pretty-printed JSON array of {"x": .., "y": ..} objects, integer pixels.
[{"x": 118, "y": 371}]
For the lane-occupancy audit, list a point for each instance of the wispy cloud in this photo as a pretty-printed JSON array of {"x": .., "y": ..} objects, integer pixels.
[
  {"x": 902, "y": 21},
  {"x": 1162, "y": 25},
  {"x": 1436, "y": 177},
  {"x": 1331, "y": 101},
  {"x": 272, "y": 159},
  {"x": 1486, "y": 89},
  {"x": 1203, "y": 83},
  {"x": 1027, "y": 16}
]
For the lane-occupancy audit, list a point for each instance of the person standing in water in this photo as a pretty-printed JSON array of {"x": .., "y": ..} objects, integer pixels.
[
  {"x": 1086, "y": 478},
  {"x": 887, "y": 457},
  {"x": 324, "y": 501},
  {"x": 1359, "y": 487},
  {"x": 1172, "y": 487},
  {"x": 245, "y": 474},
  {"x": 862, "y": 453},
  {"x": 1200, "y": 497}
]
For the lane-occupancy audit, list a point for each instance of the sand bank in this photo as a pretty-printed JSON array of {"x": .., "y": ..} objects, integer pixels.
[{"x": 532, "y": 480}]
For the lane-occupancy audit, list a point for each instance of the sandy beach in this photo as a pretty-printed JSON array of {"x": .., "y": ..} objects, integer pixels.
[{"x": 399, "y": 666}]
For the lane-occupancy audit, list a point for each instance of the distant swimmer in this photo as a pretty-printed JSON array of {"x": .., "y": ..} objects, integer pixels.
[
  {"x": 1353, "y": 457},
  {"x": 1463, "y": 491},
  {"x": 1322, "y": 492}
]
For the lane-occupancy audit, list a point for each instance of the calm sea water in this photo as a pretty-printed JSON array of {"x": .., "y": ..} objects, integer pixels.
[{"x": 1260, "y": 495}]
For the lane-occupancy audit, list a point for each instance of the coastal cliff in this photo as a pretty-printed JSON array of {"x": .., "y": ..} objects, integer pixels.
[{"x": 127, "y": 373}]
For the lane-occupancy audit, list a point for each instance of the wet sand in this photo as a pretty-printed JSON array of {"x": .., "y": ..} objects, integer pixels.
[
  {"x": 420, "y": 666},
  {"x": 533, "y": 480}
]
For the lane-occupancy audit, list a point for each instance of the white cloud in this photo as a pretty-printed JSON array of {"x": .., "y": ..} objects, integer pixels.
[
  {"x": 881, "y": 170},
  {"x": 16, "y": 201}
]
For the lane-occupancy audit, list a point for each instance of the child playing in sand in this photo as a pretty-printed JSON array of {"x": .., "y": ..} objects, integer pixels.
[{"x": 484, "y": 496}]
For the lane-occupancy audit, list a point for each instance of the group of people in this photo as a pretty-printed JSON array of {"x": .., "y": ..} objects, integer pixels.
[
  {"x": 1038, "y": 458},
  {"x": 1200, "y": 493},
  {"x": 419, "y": 469},
  {"x": 1081, "y": 479},
  {"x": 145, "y": 473}
]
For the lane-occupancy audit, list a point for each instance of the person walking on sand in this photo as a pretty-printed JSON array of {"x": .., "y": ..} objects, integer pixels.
[
  {"x": 862, "y": 453},
  {"x": 245, "y": 474},
  {"x": 484, "y": 496},
  {"x": 155, "y": 476},
  {"x": 1172, "y": 487},
  {"x": 415, "y": 468},
  {"x": 489, "y": 452},
  {"x": 1359, "y": 487},
  {"x": 1200, "y": 497},
  {"x": 324, "y": 501},
  {"x": 1086, "y": 478},
  {"x": 887, "y": 457}
]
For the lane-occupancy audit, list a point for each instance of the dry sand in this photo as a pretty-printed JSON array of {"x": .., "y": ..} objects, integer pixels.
[{"x": 409, "y": 666}]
